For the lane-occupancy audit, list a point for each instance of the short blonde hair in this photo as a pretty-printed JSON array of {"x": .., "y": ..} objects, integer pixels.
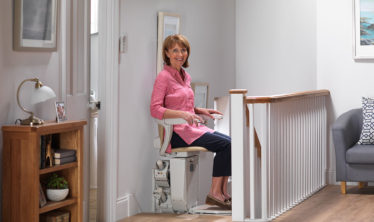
[{"x": 170, "y": 42}]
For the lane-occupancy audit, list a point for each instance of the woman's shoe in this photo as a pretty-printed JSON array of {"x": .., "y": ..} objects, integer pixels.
[
  {"x": 228, "y": 201},
  {"x": 210, "y": 200}
]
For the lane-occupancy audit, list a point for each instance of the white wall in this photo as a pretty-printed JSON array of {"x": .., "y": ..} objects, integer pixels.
[
  {"x": 347, "y": 80},
  {"x": 275, "y": 46},
  {"x": 17, "y": 66},
  {"x": 210, "y": 27}
]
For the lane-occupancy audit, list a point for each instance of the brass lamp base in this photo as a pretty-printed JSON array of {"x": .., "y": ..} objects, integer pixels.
[{"x": 32, "y": 120}]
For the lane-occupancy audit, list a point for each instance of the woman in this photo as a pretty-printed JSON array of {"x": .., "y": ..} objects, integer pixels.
[{"x": 172, "y": 97}]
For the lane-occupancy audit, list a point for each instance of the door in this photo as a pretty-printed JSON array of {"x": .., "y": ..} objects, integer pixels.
[{"x": 74, "y": 88}]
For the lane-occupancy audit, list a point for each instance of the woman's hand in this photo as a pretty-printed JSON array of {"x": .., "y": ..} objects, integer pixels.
[
  {"x": 191, "y": 118},
  {"x": 207, "y": 112}
]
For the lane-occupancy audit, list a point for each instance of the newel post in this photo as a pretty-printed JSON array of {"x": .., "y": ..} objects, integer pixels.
[{"x": 237, "y": 119}]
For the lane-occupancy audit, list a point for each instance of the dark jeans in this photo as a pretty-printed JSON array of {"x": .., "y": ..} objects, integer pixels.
[{"x": 215, "y": 142}]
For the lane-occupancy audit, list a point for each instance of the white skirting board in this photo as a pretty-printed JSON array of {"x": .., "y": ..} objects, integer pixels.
[
  {"x": 126, "y": 206},
  {"x": 331, "y": 177}
]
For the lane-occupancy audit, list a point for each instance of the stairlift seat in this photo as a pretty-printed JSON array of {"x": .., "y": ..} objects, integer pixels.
[{"x": 189, "y": 149}]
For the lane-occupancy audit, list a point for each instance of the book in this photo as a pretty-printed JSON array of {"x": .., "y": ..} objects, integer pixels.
[
  {"x": 43, "y": 145},
  {"x": 61, "y": 153},
  {"x": 69, "y": 159},
  {"x": 55, "y": 216}
]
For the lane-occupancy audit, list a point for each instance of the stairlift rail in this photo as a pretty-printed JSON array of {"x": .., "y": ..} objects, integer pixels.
[{"x": 292, "y": 130}]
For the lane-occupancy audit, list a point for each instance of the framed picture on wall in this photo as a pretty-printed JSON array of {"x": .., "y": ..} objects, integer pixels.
[
  {"x": 363, "y": 29},
  {"x": 201, "y": 90},
  {"x": 168, "y": 24},
  {"x": 35, "y": 25}
]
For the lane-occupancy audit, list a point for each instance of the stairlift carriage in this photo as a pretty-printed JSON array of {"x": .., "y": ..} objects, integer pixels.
[{"x": 176, "y": 175}]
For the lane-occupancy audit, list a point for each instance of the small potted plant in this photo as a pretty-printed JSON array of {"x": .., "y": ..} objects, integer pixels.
[{"x": 57, "y": 188}]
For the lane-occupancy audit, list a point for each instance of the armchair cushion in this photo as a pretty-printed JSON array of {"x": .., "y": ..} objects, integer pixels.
[
  {"x": 360, "y": 154},
  {"x": 367, "y": 133}
]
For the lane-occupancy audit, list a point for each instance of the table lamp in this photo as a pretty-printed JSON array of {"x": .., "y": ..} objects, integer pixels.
[{"x": 40, "y": 94}]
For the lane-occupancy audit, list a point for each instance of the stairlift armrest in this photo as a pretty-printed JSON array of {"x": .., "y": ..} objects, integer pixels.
[
  {"x": 170, "y": 122},
  {"x": 168, "y": 126}
]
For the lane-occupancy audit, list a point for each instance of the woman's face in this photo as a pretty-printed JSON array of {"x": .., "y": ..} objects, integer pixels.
[{"x": 177, "y": 55}]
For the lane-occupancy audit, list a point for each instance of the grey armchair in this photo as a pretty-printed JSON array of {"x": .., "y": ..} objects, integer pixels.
[{"x": 354, "y": 163}]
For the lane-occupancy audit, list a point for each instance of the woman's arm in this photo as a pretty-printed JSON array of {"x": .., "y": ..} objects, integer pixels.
[{"x": 191, "y": 118}]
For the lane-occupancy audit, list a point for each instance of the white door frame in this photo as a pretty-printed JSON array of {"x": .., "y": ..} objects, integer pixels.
[
  {"x": 108, "y": 72},
  {"x": 108, "y": 69}
]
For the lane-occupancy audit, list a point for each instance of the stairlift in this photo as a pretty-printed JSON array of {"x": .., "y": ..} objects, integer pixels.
[{"x": 176, "y": 175}]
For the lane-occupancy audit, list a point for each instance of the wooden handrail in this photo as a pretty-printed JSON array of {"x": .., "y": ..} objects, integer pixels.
[
  {"x": 238, "y": 91},
  {"x": 286, "y": 97}
]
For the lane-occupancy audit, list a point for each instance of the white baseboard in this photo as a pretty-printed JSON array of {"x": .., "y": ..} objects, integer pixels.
[
  {"x": 126, "y": 206},
  {"x": 331, "y": 177}
]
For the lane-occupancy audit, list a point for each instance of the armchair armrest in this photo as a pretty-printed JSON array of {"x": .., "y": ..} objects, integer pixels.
[
  {"x": 346, "y": 132},
  {"x": 347, "y": 128}
]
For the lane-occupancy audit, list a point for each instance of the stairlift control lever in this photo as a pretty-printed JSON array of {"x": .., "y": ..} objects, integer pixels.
[
  {"x": 217, "y": 116},
  {"x": 206, "y": 118}
]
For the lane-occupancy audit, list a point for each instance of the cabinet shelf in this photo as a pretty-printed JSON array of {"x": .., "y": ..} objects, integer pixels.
[
  {"x": 22, "y": 176},
  {"x": 56, "y": 168},
  {"x": 55, "y": 205}
]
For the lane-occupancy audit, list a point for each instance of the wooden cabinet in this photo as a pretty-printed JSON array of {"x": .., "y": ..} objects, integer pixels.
[{"x": 22, "y": 174}]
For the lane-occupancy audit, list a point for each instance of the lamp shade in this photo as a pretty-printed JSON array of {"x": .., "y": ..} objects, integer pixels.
[{"x": 42, "y": 94}]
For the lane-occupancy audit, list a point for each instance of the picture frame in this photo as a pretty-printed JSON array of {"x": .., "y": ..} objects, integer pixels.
[
  {"x": 35, "y": 25},
  {"x": 168, "y": 24},
  {"x": 42, "y": 197},
  {"x": 201, "y": 91},
  {"x": 60, "y": 111},
  {"x": 363, "y": 29}
]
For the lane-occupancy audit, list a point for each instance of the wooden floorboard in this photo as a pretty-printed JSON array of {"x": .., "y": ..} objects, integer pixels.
[{"x": 328, "y": 205}]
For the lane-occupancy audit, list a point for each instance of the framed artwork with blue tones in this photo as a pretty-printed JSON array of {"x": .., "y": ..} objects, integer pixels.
[
  {"x": 363, "y": 29},
  {"x": 168, "y": 24}
]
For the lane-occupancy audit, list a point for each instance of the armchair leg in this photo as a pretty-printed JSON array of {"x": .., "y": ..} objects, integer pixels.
[
  {"x": 343, "y": 187},
  {"x": 362, "y": 184}
]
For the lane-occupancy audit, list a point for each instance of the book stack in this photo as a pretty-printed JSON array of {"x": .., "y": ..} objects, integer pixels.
[
  {"x": 55, "y": 216},
  {"x": 63, "y": 156}
]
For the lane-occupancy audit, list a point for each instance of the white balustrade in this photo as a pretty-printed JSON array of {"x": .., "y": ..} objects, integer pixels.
[{"x": 289, "y": 163}]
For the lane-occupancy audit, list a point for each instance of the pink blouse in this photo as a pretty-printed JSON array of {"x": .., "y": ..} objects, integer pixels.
[{"x": 171, "y": 92}]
